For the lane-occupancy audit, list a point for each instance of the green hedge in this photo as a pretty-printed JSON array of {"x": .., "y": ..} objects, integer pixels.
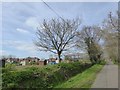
[{"x": 46, "y": 77}]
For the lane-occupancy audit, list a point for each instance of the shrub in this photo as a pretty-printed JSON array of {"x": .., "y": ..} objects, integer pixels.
[
  {"x": 102, "y": 62},
  {"x": 8, "y": 67},
  {"x": 45, "y": 77}
]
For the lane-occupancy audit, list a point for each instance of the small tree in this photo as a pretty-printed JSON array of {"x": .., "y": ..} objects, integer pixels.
[
  {"x": 57, "y": 35},
  {"x": 88, "y": 38}
]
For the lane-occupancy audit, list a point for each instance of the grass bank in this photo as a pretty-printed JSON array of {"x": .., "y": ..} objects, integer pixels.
[
  {"x": 82, "y": 80},
  {"x": 41, "y": 77}
]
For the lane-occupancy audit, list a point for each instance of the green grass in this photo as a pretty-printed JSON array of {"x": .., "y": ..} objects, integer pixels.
[{"x": 82, "y": 80}]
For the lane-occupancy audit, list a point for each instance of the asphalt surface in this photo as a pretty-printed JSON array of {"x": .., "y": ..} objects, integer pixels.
[{"x": 107, "y": 77}]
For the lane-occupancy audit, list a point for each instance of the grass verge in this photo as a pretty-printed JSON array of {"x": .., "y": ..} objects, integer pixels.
[{"x": 82, "y": 80}]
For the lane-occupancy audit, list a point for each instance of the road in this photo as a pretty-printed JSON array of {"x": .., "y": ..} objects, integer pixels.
[{"x": 108, "y": 77}]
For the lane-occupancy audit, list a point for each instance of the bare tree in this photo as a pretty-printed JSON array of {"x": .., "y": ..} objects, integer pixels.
[
  {"x": 88, "y": 38},
  {"x": 111, "y": 35},
  {"x": 113, "y": 21},
  {"x": 57, "y": 35}
]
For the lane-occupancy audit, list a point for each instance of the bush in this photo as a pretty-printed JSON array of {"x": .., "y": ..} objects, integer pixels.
[
  {"x": 102, "y": 62},
  {"x": 45, "y": 77},
  {"x": 8, "y": 67}
]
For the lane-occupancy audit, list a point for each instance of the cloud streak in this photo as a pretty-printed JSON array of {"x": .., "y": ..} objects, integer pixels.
[
  {"x": 32, "y": 22},
  {"x": 3, "y": 52},
  {"x": 21, "y": 45},
  {"x": 22, "y": 30}
]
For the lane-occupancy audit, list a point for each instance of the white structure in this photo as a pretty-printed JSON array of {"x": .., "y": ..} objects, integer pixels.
[
  {"x": 8, "y": 60},
  {"x": 23, "y": 63},
  {"x": 57, "y": 61}
]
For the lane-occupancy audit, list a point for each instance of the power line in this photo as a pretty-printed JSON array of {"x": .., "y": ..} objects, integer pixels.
[{"x": 52, "y": 9}]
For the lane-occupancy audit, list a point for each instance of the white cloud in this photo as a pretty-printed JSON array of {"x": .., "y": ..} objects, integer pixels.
[
  {"x": 26, "y": 47},
  {"x": 3, "y": 52},
  {"x": 21, "y": 45},
  {"x": 32, "y": 22},
  {"x": 22, "y": 30}
]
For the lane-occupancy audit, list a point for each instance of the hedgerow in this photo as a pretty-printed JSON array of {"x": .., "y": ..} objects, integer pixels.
[{"x": 46, "y": 77}]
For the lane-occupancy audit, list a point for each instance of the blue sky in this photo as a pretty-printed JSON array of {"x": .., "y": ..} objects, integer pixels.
[{"x": 19, "y": 22}]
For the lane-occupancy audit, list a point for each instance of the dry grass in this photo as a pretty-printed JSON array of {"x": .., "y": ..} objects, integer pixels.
[{"x": 27, "y": 66}]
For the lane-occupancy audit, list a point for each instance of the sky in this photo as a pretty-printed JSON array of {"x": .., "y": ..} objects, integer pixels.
[{"x": 20, "y": 20}]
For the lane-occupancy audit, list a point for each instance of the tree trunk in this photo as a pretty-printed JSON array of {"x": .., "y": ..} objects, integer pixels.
[{"x": 59, "y": 56}]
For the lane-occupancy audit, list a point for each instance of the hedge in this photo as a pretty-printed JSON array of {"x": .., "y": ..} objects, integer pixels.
[{"x": 46, "y": 77}]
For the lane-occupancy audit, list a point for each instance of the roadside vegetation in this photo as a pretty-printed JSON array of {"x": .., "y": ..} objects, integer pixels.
[
  {"x": 43, "y": 77},
  {"x": 82, "y": 80}
]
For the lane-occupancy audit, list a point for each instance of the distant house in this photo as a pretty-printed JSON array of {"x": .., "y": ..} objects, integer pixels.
[
  {"x": 12, "y": 60},
  {"x": 31, "y": 61},
  {"x": 53, "y": 61},
  {"x": 23, "y": 62},
  {"x": 76, "y": 56},
  {"x": 42, "y": 62},
  {"x": 9, "y": 60}
]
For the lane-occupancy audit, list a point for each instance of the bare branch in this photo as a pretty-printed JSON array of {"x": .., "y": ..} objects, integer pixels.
[{"x": 57, "y": 34}]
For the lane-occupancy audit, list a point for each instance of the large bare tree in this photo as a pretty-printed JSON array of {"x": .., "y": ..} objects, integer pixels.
[
  {"x": 57, "y": 35},
  {"x": 88, "y": 38}
]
